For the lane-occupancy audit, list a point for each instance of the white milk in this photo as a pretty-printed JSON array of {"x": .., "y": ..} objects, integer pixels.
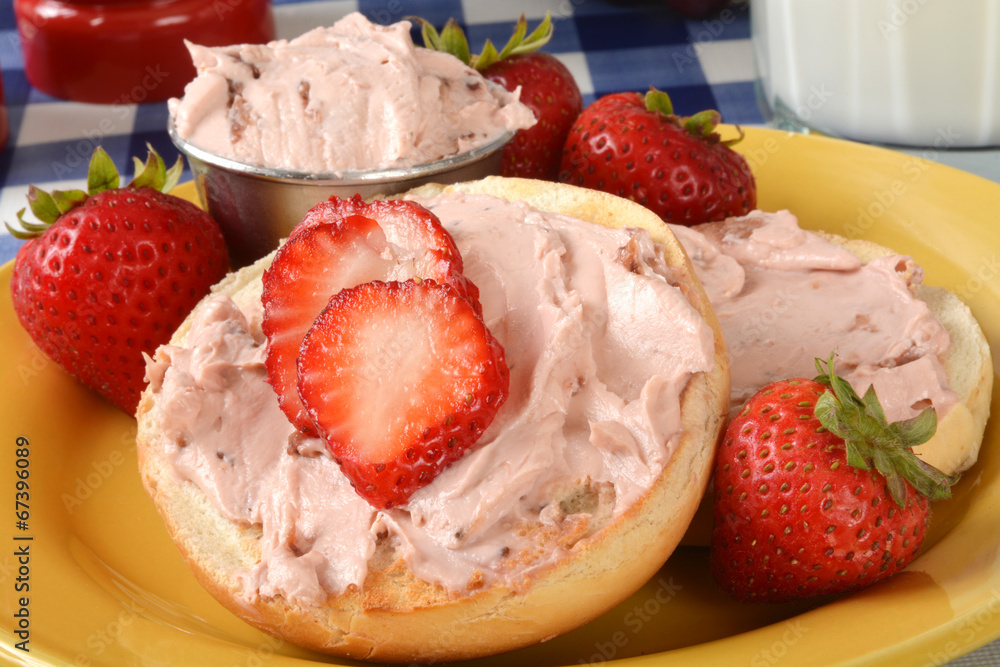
[{"x": 911, "y": 72}]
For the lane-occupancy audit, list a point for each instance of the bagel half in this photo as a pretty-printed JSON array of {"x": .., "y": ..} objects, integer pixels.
[
  {"x": 396, "y": 617},
  {"x": 955, "y": 446},
  {"x": 968, "y": 365}
]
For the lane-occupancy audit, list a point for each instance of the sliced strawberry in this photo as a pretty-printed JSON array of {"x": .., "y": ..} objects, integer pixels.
[
  {"x": 407, "y": 224},
  {"x": 415, "y": 233},
  {"x": 341, "y": 243},
  {"x": 401, "y": 379},
  {"x": 307, "y": 270}
]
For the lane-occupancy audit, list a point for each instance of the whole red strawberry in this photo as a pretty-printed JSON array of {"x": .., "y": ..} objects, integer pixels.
[
  {"x": 815, "y": 494},
  {"x": 547, "y": 88},
  {"x": 635, "y": 147},
  {"x": 109, "y": 273}
]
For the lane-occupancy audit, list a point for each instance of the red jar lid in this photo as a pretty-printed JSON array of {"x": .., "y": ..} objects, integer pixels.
[{"x": 128, "y": 51}]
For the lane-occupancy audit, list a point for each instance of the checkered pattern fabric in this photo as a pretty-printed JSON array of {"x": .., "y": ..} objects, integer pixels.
[{"x": 609, "y": 47}]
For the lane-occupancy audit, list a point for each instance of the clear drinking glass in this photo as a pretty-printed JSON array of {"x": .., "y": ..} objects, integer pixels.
[{"x": 906, "y": 72}]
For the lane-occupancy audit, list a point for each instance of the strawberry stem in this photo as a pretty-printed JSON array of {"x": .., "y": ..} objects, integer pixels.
[
  {"x": 28, "y": 229},
  {"x": 154, "y": 173},
  {"x": 454, "y": 42},
  {"x": 538, "y": 38},
  {"x": 870, "y": 440}
]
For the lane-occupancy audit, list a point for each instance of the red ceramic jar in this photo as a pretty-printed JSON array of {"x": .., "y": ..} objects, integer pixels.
[{"x": 128, "y": 51}]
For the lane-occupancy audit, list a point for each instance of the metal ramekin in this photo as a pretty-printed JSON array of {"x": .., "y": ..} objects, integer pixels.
[{"x": 256, "y": 207}]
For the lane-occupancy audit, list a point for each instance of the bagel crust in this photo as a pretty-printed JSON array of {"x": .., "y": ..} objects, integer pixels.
[
  {"x": 968, "y": 366},
  {"x": 397, "y": 617}
]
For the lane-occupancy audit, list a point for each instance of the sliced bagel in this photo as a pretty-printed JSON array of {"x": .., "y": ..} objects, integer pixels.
[
  {"x": 968, "y": 364},
  {"x": 395, "y": 616},
  {"x": 954, "y": 448}
]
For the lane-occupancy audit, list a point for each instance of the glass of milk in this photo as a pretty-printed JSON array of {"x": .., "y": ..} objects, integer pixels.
[{"x": 906, "y": 72}]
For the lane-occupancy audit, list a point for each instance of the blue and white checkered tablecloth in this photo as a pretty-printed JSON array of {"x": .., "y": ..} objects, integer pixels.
[{"x": 609, "y": 47}]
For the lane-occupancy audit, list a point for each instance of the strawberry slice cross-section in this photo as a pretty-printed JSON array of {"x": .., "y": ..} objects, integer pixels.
[
  {"x": 339, "y": 244},
  {"x": 305, "y": 273},
  {"x": 427, "y": 245},
  {"x": 406, "y": 224},
  {"x": 400, "y": 379}
]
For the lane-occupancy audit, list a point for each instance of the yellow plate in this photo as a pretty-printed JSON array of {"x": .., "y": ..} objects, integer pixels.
[{"x": 101, "y": 583}]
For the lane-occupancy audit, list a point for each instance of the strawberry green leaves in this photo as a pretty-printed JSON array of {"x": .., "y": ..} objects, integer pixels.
[
  {"x": 701, "y": 124},
  {"x": 540, "y": 80},
  {"x": 154, "y": 173},
  {"x": 102, "y": 175},
  {"x": 659, "y": 101},
  {"x": 871, "y": 441},
  {"x": 452, "y": 40},
  {"x": 45, "y": 206}
]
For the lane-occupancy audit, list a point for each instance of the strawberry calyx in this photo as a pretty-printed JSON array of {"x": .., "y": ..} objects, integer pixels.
[
  {"x": 102, "y": 175},
  {"x": 451, "y": 39},
  {"x": 701, "y": 124},
  {"x": 870, "y": 441}
]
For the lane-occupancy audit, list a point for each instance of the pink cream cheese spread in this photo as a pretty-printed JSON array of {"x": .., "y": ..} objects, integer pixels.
[
  {"x": 785, "y": 296},
  {"x": 600, "y": 343},
  {"x": 352, "y": 96}
]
